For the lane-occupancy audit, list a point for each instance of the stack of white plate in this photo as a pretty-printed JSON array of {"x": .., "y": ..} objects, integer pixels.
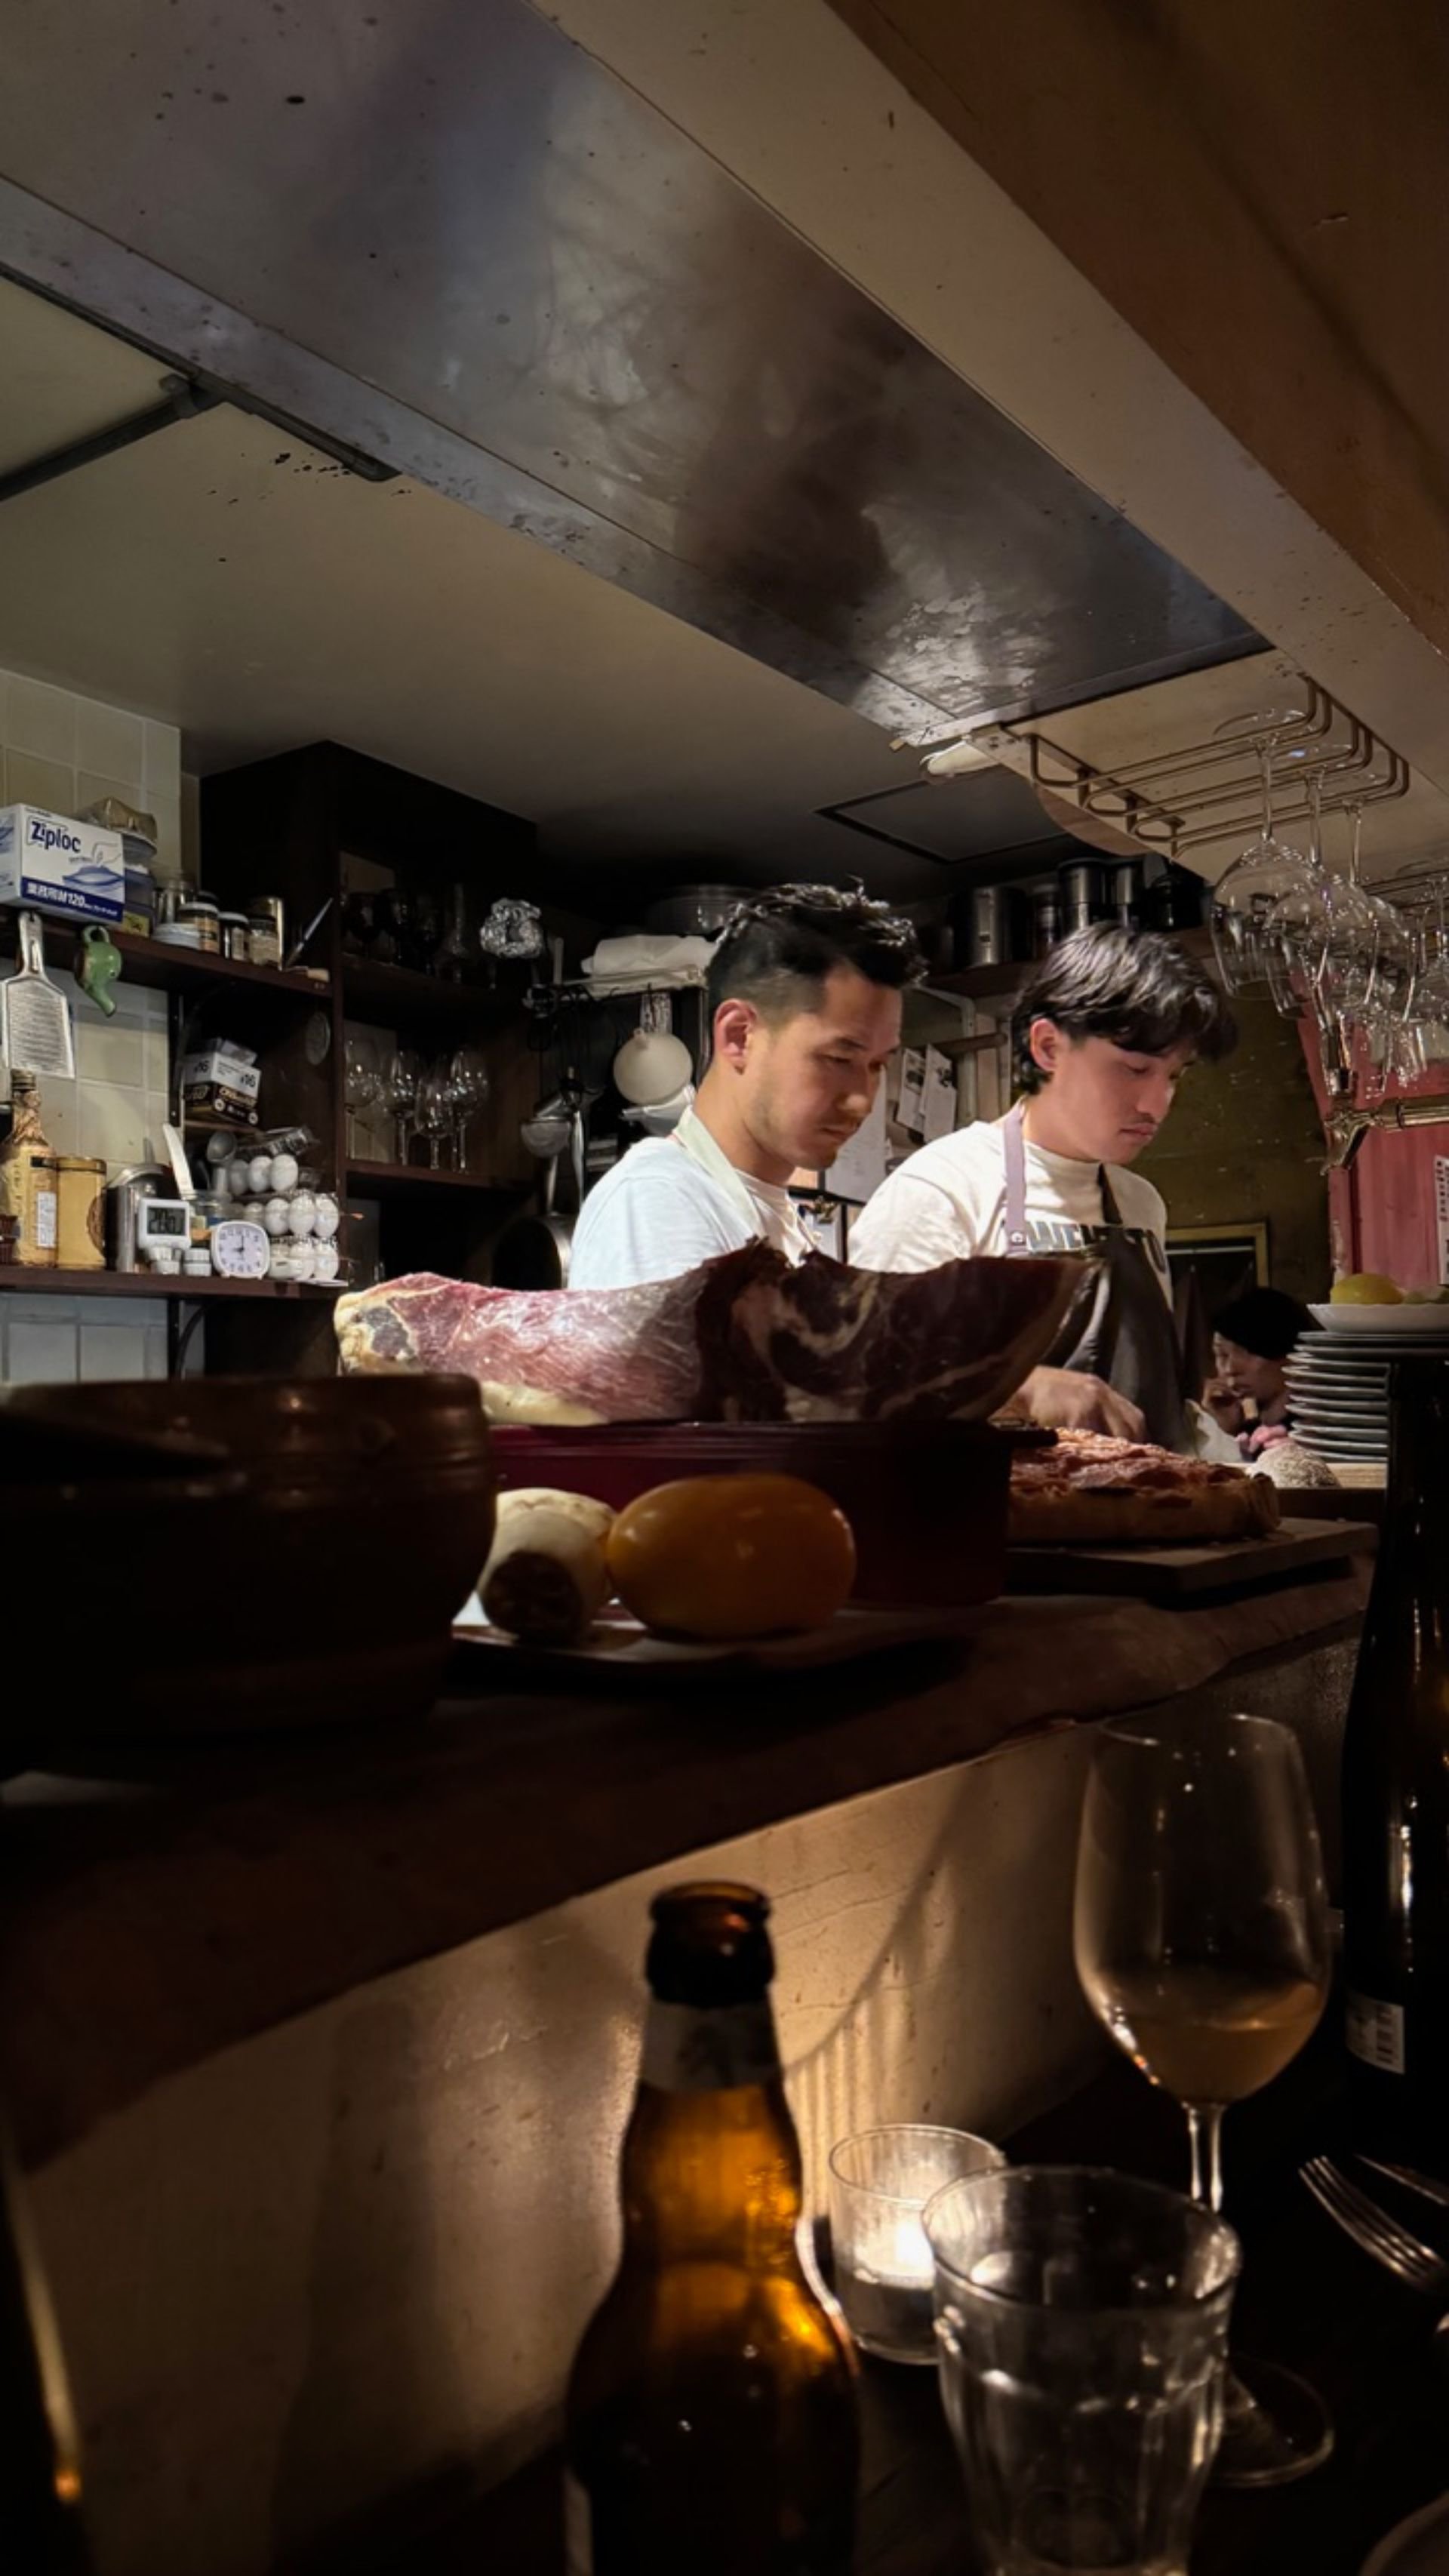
[{"x": 1338, "y": 1380}]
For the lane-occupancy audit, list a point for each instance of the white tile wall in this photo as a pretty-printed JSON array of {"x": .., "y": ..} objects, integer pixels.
[{"x": 64, "y": 751}]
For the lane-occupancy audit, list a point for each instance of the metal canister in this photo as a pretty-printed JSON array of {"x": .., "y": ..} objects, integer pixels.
[
  {"x": 32, "y": 1187},
  {"x": 1046, "y": 921},
  {"x": 268, "y": 922},
  {"x": 989, "y": 932},
  {"x": 80, "y": 1214},
  {"x": 1174, "y": 900},
  {"x": 1125, "y": 886},
  {"x": 236, "y": 937},
  {"x": 1082, "y": 892}
]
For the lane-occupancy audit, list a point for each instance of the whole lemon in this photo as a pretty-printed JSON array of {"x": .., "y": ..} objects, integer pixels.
[
  {"x": 1366, "y": 1288},
  {"x": 732, "y": 1556}
]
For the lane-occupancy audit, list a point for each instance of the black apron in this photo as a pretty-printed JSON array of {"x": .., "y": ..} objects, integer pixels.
[{"x": 1130, "y": 1338}]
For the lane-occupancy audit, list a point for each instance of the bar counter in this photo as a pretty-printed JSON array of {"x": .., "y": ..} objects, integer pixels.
[
  {"x": 319, "y": 2051},
  {"x": 165, "y": 1902}
]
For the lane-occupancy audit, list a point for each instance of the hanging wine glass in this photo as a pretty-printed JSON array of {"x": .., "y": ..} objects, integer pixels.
[{"x": 1261, "y": 875}]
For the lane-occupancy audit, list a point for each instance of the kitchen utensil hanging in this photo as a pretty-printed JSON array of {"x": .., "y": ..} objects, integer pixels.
[{"x": 35, "y": 1030}]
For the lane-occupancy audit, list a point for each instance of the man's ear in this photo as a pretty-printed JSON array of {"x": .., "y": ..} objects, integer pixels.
[
  {"x": 1044, "y": 1041},
  {"x": 734, "y": 1026}
]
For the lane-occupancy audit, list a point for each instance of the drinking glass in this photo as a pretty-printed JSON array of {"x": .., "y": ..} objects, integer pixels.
[
  {"x": 880, "y": 2182},
  {"x": 1201, "y": 1935},
  {"x": 1260, "y": 876},
  {"x": 362, "y": 1085},
  {"x": 434, "y": 1113},
  {"x": 468, "y": 1089},
  {"x": 1083, "y": 2328},
  {"x": 400, "y": 1096}
]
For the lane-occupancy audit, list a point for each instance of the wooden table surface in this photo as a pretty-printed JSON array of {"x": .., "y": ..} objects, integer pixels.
[{"x": 1307, "y": 2298}]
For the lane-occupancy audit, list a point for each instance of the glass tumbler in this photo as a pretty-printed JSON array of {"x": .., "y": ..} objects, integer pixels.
[
  {"x": 880, "y": 2182},
  {"x": 1083, "y": 2329}
]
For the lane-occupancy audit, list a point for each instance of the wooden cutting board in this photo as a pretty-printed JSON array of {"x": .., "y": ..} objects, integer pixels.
[{"x": 1183, "y": 1573}]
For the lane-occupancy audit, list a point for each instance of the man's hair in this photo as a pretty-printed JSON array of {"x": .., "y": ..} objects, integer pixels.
[
  {"x": 777, "y": 949},
  {"x": 1128, "y": 986},
  {"x": 1265, "y": 1321}
]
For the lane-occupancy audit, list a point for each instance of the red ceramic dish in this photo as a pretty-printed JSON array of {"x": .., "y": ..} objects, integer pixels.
[{"x": 926, "y": 1500}]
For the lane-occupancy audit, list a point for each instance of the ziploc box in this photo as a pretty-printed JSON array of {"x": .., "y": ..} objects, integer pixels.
[{"x": 52, "y": 864}]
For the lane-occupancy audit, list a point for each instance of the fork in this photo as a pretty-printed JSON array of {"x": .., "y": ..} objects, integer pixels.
[
  {"x": 1408, "y": 2180},
  {"x": 1372, "y": 2228}
]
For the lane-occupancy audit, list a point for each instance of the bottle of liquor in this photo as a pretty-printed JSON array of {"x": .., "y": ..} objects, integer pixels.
[
  {"x": 27, "y": 1177},
  {"x": 711, "y": 2413},
  {"x": 1396, "y": 1798},
  {"x": 40, "y": 2524}
]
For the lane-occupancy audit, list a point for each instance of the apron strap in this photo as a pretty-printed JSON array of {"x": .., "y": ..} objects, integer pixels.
[{"x": 1013, "y": 1154}]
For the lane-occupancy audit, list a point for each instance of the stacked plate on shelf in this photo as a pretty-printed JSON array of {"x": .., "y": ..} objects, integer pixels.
[{"x": 1338, "y": 1380}]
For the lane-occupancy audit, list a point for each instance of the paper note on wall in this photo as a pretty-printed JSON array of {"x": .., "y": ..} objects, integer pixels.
[
  {"x": 1441, "y": 1214},
  {"x": 911, "y": 1111},
  {"x": 938, "y": 1098},
  {"x": 860, "y": 1166}
]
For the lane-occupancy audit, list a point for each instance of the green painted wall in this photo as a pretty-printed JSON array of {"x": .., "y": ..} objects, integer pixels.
[{"x": 1244, "y": 1143}]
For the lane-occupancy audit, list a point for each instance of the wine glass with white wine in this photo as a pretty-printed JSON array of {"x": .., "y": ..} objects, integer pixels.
[{"x": 1201, "y": 1934}]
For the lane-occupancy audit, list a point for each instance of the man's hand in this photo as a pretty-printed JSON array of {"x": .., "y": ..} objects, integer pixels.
[{"x": 1073, "y": 1400}]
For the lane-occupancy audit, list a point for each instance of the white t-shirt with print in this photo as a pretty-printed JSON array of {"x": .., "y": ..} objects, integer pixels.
[
  {"x": 658, "y": 1213},
  {"x": 948, "y": 1202}
]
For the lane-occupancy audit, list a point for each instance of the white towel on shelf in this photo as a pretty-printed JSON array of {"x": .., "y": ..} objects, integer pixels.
[{"x": 640, "y": 959}]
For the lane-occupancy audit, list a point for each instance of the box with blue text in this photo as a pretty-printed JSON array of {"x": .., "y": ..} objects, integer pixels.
[{"x": 51, "y": 864}]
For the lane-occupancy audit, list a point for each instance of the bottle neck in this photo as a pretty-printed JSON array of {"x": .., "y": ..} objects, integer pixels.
[
  {"x": 711, "y": 2166},
  {"x": 1419, "y": 1460}
]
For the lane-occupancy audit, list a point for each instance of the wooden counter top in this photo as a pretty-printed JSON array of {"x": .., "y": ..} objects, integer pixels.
[{"x": 163, "y": 1903}]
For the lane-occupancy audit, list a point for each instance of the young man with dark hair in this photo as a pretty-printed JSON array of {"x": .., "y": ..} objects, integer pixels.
[
  {"x": 1101, "y": 1035},
  {"x": 805, "y": 998}
]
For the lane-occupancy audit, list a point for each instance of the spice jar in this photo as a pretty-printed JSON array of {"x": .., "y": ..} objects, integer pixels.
[
  {"x": 80, "y": 1220},
  {"x": 203, "y": 915},
  {"x": 265, "y": 915},
  {"x": 236, "y": 938}
]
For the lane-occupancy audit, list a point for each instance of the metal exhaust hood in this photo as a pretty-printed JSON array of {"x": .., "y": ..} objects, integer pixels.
[{"x": 451, "y": 240}]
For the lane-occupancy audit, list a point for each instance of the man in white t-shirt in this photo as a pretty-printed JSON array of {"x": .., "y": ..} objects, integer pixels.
[
  {"x": 805, "y": 996},
  {"x": 1102, "y": 1033}
]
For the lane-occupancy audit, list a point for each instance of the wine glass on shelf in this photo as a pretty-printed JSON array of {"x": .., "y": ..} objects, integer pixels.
[
  {"x": 362, "y": 1086},
  {"x": 468, "y": 1089},
  {"x": 1260, "y": 876},
  {"x": 400, "y": 1096},
  {"x": 1201, "y": 1937},
  {"x": 434, "y": 1113}
]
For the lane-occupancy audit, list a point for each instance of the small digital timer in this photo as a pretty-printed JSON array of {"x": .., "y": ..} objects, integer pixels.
[{"x": 165, "y": 1222}]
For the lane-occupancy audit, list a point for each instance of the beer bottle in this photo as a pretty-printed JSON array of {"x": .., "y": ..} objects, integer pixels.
[
  {"x": 711, "y": 2425},
  {"x": 1396, "y": 1799},
  {"x": 40, "y": 2524}
]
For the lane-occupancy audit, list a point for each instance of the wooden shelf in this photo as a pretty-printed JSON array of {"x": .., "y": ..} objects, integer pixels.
[
  {"x": 144, "y": 1283},
  {"x": 382, "y": 1179},
  {"x": 176, "y": 970},
  {"x": 388, "y": 997}
]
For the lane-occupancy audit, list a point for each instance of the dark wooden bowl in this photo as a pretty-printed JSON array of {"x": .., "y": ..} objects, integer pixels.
[{"x": 233, "y": 1554}]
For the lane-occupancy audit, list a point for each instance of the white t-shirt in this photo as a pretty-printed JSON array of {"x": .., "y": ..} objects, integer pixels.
[
  {"x": 658, "y": 1213},
  {"x": 949, "y": 1201}
]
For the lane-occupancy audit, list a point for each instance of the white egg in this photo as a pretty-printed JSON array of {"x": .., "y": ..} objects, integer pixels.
[
  {"x": 277, "y": 1218},
  {"x": 260, "y": 1171},
  {"x": 328, "y": 1217},
  {"x": 239, "y": 1178},
  {"x": 284, "y": 1171},
  {"x": 301, "y": 1211},
  {"x": 325, "y": 1264},
  {"x": 304, "y": 1257}
]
